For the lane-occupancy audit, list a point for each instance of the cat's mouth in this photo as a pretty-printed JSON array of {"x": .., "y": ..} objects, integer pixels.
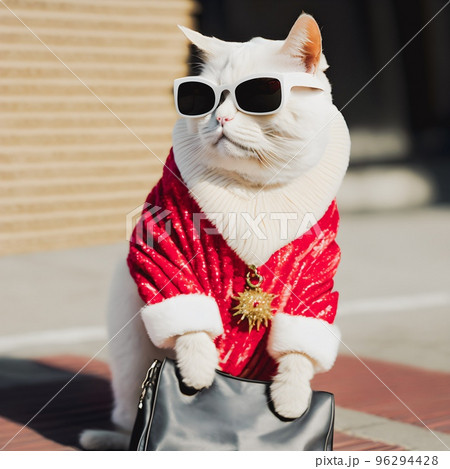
[{"x": 228, "y": 139}]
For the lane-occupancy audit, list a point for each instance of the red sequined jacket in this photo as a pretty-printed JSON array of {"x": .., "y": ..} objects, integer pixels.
[{"x": 188, "y": 277}]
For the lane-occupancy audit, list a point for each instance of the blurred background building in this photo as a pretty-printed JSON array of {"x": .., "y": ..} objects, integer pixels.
[
  {"x": 70, "y": 168},
  {"x": 400, "y": 122}
]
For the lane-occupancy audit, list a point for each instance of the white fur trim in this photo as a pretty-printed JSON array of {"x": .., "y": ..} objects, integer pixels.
[
  {"x": 181, "y": 314},
  {"x": 314, "y": 337}
]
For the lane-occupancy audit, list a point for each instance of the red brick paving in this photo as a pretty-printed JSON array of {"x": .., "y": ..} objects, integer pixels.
[
  {"x": 344, "y": 442},
  {"x": 86, "y": 402},
  {"x": 27, "y": 439},
  {"x": 426, "y": 393}
]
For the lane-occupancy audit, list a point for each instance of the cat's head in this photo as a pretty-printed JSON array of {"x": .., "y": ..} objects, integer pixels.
[{"x": 266, "y": 148}]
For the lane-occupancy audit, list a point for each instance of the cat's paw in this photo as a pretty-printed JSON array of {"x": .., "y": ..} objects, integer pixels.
[
  {"x": 290, "y": 390},
  {"x": 197, "y": 359},
  {"x": 104, "y": 440}
]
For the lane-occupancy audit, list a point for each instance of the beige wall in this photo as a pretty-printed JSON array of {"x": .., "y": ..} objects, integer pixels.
[{"x": 70, "y": 171}]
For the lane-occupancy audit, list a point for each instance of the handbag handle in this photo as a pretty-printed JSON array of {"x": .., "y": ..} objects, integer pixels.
[{"x": 150, "y": 379}]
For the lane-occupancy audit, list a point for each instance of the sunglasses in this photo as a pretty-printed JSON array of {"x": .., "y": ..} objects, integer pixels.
[{"x": 260, "y": 94}]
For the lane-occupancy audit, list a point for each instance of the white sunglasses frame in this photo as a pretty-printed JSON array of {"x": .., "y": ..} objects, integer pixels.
[{"x": 287, "y": 81}]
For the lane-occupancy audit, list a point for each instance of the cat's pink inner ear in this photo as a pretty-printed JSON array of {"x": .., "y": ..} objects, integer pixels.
[{"x": 304, "y": 42}]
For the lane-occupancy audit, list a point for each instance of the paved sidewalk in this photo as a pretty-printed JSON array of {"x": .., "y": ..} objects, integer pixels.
[
  {"x": 394, "y": 316},
  {"x": 366, "y": 412}
]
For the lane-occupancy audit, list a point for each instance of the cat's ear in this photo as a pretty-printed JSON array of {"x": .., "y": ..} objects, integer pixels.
[
  {"x": 304, "y": 42},
  {"x": 208, "y": 45}
]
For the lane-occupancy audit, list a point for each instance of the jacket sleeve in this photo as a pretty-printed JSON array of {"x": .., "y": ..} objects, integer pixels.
[
  {"x": 305, "y": 323},
  {"x": 175, "y": 300}
]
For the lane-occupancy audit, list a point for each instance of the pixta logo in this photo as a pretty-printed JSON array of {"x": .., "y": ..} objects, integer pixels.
[{"x": 143, "y": 221}]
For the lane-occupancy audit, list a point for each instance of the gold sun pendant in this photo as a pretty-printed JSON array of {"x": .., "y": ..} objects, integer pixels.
[{"x": 255, "y": 305}]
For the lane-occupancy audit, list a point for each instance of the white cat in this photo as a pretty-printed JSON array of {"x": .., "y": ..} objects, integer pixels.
[{"x": 234, "y": 162}]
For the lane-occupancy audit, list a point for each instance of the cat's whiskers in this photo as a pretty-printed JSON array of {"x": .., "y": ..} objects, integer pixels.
[
  {"x": 274, "y": 153},
  {"x": 263, "y": 160}
]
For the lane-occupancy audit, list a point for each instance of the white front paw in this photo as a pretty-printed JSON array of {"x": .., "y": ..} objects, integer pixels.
[
  {"x": 197, "y": 359},
  {"x": 290, "y": 390}
]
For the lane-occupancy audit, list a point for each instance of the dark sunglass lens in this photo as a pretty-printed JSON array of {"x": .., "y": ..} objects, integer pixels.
[
  {"x": 259, "y": 95},
  {"x": 195, "y": 98}
]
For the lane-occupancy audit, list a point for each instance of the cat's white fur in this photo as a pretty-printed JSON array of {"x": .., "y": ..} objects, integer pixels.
[
  {"x": 258, "y": 220},
  {"x": 267, "y": 150},
  {"x": 292, "y": 161}
]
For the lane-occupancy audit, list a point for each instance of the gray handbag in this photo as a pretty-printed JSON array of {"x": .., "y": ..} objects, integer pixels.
[{"x": 232, "y": 414}]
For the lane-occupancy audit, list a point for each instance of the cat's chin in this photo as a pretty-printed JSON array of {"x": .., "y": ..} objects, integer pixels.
[
  {"x": 228, "y": 148},
  {"x": 246, "y": 170}
]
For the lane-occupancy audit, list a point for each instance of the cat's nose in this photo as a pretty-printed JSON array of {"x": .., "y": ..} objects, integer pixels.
[{"x": 221, "y": 120}]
